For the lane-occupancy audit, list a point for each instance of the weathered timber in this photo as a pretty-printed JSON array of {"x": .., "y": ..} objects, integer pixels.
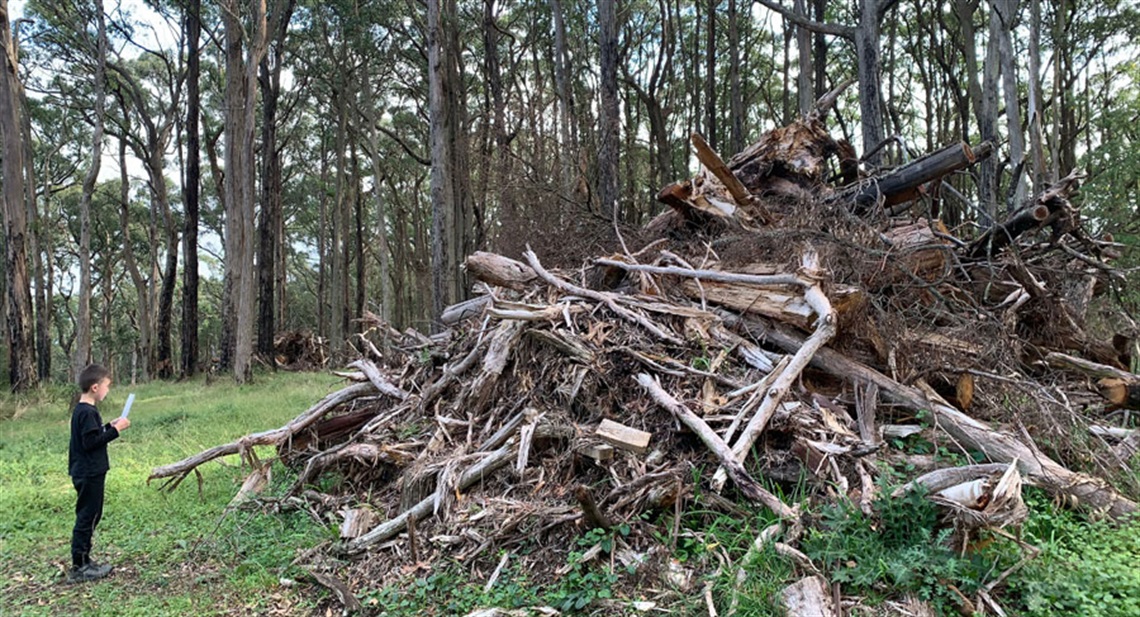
[
  {"x": 1080, "y": 488},
  {"x": 905, "y": 183},
  {"x": 500, "y": 271},
  {"x": 735, "y": 469},
  {"x": 624, "y": 437},
  {"x": 274, "y": 437}
]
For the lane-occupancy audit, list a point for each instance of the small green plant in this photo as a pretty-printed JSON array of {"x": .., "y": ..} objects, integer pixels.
[
  {"x": 896, "y": 551},
  {"x": 584, "y": 583},
  {"x": 1085, "y": 568}
]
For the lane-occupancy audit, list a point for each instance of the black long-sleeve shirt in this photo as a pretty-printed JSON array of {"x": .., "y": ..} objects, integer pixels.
[{"x": 87, "y": 453}]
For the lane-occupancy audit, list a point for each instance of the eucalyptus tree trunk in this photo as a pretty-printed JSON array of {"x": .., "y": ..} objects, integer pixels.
[
  {"x": 450, "y": 212},
  {"x": 988, "y": 179},
  {"x": 338, "y": 238},
  {"x": 735, "y": 91},
  {"x": 190, "y": 192},
  {"x": 384, "y": 250},
  {"x": 870, "y": 86},
  {"x": 83, "y": 301},
  {"x": 803, "y": 45},
  {"x": 142, "y": 284},
  {"x": 608, "y": 150},
  {"x": 568, "y": 149},
  {"x": 270, "y": 222},
  {"x": 1003, "y": 14},
  {"x": 21, "y": 344},
  {"x": 1036, "y": 139},
  {"x": 711, "y": 112},
  {"x": 242, "y": 59}
]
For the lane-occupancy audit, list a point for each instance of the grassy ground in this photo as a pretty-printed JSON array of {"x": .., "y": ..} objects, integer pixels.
[{"x": 173, "y": 553}]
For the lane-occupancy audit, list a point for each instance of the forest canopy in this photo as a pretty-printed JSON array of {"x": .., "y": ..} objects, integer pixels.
[{"x": 185, "y": 181}]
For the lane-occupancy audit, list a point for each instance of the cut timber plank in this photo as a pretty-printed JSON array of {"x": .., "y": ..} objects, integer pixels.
[{"x": 624, "y": 437}]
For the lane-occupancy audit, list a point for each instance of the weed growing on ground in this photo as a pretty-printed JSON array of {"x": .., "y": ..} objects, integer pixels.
[{"x": 1085, "y": 568}]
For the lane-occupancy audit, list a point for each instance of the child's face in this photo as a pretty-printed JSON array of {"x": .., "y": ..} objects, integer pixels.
[{"x": 100, "y": 390}]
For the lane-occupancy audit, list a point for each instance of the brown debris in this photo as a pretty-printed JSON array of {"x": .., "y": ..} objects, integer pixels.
[{"x": 789, "y": 319}]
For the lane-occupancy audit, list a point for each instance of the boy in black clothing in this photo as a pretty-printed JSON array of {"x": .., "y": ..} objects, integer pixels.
[{"x": 87, "y": 465}]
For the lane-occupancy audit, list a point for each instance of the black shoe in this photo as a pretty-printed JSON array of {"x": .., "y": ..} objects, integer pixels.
[{"x": 88, "y": 572}]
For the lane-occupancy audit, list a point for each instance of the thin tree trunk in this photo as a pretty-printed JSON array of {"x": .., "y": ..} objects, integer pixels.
[
  {"x": 711, "y": 111},
  {"x": 566, "y": 151},
  {"x": 83, "y": 299},
  {"x": 987, "y": 118},
  {"x": 608, "y": 151},
  {"x": 803, "y": 45},
  {"x": 142, "y": 285},
  {"x": 735, "y": 90},
  {"x": 21, "y": 354},
  {"x": 867, "y": 49},
  {"x": 1036, "y": 139},
  {"x": 1005, "y": 13},
  {"x": 190, "y": 194}
]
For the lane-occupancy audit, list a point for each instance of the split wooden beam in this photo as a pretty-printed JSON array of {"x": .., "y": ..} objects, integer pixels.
[
  {"x": 624, "y": 437},
  {"x": 740, "y": 193}
]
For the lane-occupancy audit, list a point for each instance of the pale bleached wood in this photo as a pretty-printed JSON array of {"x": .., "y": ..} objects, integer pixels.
[
  {"x": 371, "y": 371},
  {"x": 610, "y": 300},
  {"x": 810, "y": 277},
  {"x": 747, "y": 485},
  {"x": 499, "y": 270},
  {"x": 624, "y": 437},
  {"x": 1088, "y": 367}
]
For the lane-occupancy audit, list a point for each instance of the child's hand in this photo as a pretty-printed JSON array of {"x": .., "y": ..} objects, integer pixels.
[{"x": 120, "y": 424}]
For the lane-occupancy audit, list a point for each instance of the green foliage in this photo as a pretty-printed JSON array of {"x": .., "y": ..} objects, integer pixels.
[
  {"x": 896, "y": 551},
  {"x": 1085, "y": 568}
]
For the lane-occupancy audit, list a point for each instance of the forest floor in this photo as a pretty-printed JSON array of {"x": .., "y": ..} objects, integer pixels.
[{"x": 174, "y": 552}]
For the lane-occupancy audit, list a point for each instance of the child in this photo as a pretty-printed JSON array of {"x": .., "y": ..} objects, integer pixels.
[{"x": 87, "y": 465}]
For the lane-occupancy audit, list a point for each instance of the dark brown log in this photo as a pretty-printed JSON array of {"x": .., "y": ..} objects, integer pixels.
[
  {"x": 1055, "y": 200},
  {"x": 999, "y": 447},
  {"x": 905, "y": 183}
]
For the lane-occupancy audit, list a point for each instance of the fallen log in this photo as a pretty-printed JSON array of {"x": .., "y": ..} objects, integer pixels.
[
  {"x": 178, "y": 471},
  {"x": 1078, "y": 488},
  {"x": 904, "y": 184},
  {"x": 500, "y": 271}
]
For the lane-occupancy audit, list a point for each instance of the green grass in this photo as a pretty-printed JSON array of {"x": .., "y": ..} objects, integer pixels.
[{"x": 175, "y": 554}]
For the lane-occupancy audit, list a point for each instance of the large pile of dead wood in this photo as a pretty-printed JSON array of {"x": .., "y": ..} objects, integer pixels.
[{"x": 789, "y": 321}]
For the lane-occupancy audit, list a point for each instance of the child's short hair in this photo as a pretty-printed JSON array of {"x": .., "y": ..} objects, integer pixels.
[{"x": 92, "y": 375}]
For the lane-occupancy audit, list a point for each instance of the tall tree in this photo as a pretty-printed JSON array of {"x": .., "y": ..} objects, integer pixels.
[
  {"x": 22, "y": 374},
  {"x": 866, "y": 37},
  {"x": 270, "y": 222},
  {"x": 190, "y": 191},
  {"x": 83, "y": 312},
  {"x": 242, "y": 60},
  {"x": 608, "y": 150},
  {"x": 448, "y": 168}
]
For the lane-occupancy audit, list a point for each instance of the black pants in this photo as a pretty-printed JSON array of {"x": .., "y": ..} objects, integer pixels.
[{"x": 88, "y": 511}]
